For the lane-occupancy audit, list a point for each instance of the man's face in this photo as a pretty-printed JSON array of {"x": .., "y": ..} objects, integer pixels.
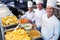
[
  {"x": 39, "y": 6},
  {"x": 49, "y": 10},
  {"x": 30, "y": 9}
]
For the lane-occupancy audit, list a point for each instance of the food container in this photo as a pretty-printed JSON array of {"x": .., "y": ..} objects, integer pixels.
[
  {"x": 35, "y": 34},
  {"x": 23, "y": 21},
  {"x": 9, "y": 20},
  {"x": 19, "y": 34},
  {"x": 27, "y": 26}
]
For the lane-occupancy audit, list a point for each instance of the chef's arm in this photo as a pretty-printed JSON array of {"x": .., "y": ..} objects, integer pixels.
[
  {"x": 33, "y": 19},
  {"x": 24, "y": 16},
  {"x": 55, "y": 37},
  {"x": 56, "y": 32}
]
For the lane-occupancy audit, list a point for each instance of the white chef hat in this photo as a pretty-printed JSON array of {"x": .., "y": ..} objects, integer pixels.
[
  {"x": 39, "y": 1},
  {"x": 51, "y": 3},
  {"x": 30, "y": 4}
]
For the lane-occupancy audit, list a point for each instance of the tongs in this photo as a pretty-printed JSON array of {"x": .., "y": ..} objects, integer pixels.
[{"x": 19, "y": 25}]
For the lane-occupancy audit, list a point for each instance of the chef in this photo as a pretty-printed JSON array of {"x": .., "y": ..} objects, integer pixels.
[
  {"x": 38, "y": 13},
  {"x": 30, "y": 13},
  {"x": 50, "y": 23}
]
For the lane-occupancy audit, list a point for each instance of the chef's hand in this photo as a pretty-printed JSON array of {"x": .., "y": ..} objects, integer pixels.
[
  {"x": 33, "y": 26},
  {"x": 29, "y": 21}
]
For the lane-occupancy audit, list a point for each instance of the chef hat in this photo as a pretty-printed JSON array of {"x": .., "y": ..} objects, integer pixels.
[
  {"x": 39, "y": 1},
  {"x": 51, "y": 3},
  {"x": 30, "y": 4}
]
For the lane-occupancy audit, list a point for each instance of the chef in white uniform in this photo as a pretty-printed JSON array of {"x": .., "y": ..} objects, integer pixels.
[
  {"x": 38, "y": 13},
  {"x": 50, "y": 23},
  {"x": 30, "y": 13}
]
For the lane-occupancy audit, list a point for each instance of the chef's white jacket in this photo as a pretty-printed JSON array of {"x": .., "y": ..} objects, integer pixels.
[
  {"x": 38, "y": 15},
  {"x": 29, "y": 16},
  {"x": 50, "y": 27}
]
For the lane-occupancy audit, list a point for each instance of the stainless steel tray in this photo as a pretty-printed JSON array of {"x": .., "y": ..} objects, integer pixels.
[
  {"x": 11, "y": 24},
  {"x": 35, "y": 37},
  {"x": 10, "y": 30}
]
